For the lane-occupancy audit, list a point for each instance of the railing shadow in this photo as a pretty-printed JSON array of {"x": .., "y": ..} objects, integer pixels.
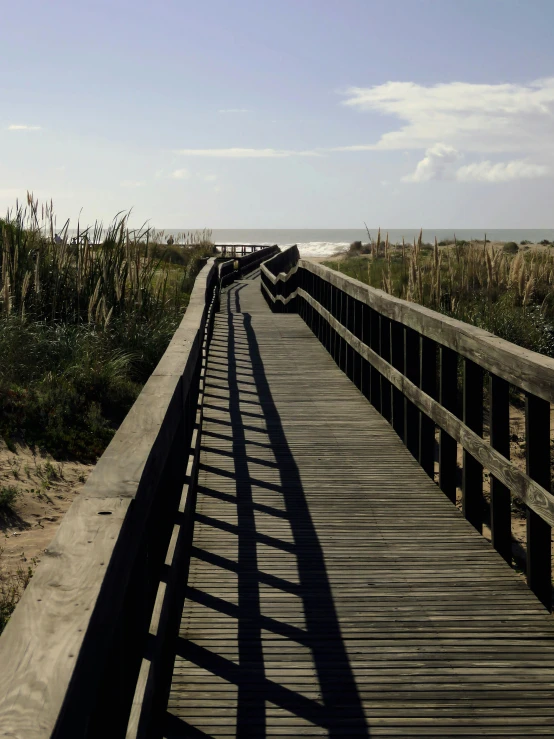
[{"x": 332, "y": 702}]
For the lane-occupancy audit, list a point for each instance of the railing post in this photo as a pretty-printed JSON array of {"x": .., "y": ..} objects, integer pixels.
[
  {"x": 412, "y": 372},
  {"x": 397, "y": 361},
  {"x": 428, "y": 375},
  {"x": 448, "y": 397},
  {"x": 327, "y": 306},
  {"x": 358, "y": 332},
  {"x": 333, "y": 311},
  {"x": 472, "y": 475},
  {"x": 386, "y": 405},
  {"x": 349, "y": 325},
  {"x": 537, "y": 450},
  {"x": 501, "y": 525},
  {"x": 317, "y": 316},
  {"x": 301, "y": 285},
  {"x": 366, "y": 338},
  {"x": 341, "y": 318},
  {"x": 375, "y": 390}
]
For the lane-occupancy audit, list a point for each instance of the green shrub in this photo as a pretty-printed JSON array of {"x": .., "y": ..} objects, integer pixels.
[
  {"x": 8, "y": 495},
  {"x": 356, "y": 248},
  {"x": 524, "y": 242},
  {"x": 66, "y": 388},
  {"x": 83, "y": 327},
  {"x": 510, "y": 247}
]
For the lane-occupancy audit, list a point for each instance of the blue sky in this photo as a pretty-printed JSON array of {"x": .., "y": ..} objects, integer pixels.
[{"x": 282, "y": 114}]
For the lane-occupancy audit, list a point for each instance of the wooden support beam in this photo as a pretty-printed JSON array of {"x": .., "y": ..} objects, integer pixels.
[
  {"x": 539, "y": 536},
  {"x": 501, "y": 528},
  {"x": 448, "y": 397},
  {"x": 472, "y": 474}
]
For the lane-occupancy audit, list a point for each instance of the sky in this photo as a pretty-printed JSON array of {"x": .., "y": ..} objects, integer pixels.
[{"x": 283, "y": 114}]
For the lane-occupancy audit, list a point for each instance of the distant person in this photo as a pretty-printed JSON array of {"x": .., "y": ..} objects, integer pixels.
[
  {"x": 170, "y": 240},
  {"x": 57, "y": 239}
]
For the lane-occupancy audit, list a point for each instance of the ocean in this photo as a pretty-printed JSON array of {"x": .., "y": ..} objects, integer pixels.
[
  {"x": 326, "y": 242},
  {"x": 314, "y": 242}
]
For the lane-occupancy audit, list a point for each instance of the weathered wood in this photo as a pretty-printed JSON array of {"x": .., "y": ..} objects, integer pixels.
[
  {"x": 375, "y": 390},
  {"x": 521, "y": 484},
  {"x": 397, "y": 360},
  {"x": 385, "y": 353},
  {"x": 235, "y": 268},
  {"x": 480, "y": 351},
  {"x": 428, "y": 384},
  {"x": 537, "y": 450},
  {"x": 334, "y": 591},
  {"x": 72, "y": 651},
  {"x": 366, "y": 339},
  {"x": 501, "y": 527},
  {"x": 523, "y": 368},
  {"x": 473, "y": 503},
  {"x": 448, "y": 398},
  {"x": 412, "y": 372}
]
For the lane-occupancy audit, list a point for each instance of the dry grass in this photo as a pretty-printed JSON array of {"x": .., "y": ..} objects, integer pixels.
[
  {"x": 12, "y": 585},
  {"x": 100, "y": 274},
  {"x": 508, "y": 294}
]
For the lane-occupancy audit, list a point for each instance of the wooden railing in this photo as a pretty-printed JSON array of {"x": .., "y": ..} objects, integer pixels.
[
  {"x": 425, "y": 373},
  {"x": 87, "y": 651},
  {"x": 237, "y": 250},
  {"x": 234, "y": 269}
]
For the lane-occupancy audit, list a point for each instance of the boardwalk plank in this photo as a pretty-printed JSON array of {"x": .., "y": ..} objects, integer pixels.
[{"x": 333, "y": 589}]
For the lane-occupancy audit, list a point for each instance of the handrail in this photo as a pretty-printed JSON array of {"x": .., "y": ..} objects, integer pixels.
[
  {"x": 73, "y": 648},
  {"x": 233, "y": 269},
  {"x": 395, "y": 352}
]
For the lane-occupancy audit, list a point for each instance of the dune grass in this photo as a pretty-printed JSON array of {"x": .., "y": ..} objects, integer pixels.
[
  {"x": 83, "y": 322},
  {"x": 84, "y": 319},
  {"x": 510, "y": 294}
]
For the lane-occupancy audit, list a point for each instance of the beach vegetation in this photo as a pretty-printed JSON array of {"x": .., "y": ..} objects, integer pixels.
[
  {"x": 84, "y": 319},
  {"x": 505, "y": 291},
  {"x": 8, "y": 495}
]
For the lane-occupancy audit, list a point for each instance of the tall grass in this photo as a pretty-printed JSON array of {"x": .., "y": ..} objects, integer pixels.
[
  {"x": 511, "y": 295},
  {"x": 105, "y": 274},
  {"x": 83, "y": 322}
]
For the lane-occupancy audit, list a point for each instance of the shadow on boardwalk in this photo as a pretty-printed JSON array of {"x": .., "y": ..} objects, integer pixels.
[{"x": 335, "y": 708}]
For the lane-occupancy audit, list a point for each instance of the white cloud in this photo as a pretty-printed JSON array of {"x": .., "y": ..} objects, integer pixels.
[
  {"x": 236, "y": 153},
  {"x": 209, "y": 177},
  {"x": 436, "y": 164},
  {"x": 470, "y": 117},
  {"x": 23, "y": 127},
  {"x": 234, "y": 110},
  {"x": 501, "y": 171},
  {"x": 132, "y": 183},
  {"x": 180, "y": 174},
  {"x": 465, "y": 118}
]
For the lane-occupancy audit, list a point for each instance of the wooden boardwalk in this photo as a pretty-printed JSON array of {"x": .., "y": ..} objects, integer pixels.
[{"x": 333, "y": 589}]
